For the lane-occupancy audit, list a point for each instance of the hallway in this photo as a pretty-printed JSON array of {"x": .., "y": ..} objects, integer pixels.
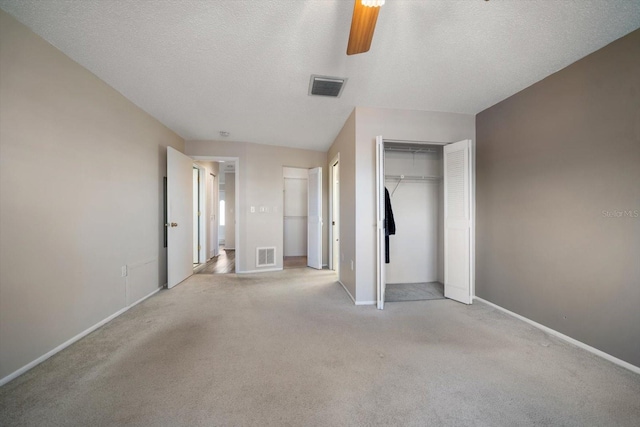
[{"x": 224, "y": 263}]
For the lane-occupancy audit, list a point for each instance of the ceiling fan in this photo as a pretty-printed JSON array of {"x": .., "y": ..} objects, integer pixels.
[{"x": 365, "y": 15}]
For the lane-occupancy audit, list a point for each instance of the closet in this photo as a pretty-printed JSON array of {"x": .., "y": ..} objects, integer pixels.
[
  {"x": 295, "y": 212},
  {"x": 413, "y": 176}
]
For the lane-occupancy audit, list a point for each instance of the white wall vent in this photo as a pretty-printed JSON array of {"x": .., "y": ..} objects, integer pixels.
[
  {"x": 265, "y": 257},
  {"x": 326, "y": 86}
]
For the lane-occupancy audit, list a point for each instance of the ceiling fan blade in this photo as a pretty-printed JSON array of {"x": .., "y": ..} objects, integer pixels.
[{"x": 362, "y": 25}]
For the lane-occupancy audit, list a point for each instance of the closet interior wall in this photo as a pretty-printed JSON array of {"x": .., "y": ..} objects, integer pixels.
[
  {"x": 295, "y": 211},
  {"x": 417, "y": 248}
]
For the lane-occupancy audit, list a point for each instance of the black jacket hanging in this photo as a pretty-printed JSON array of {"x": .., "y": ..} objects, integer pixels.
[{"x": 389, "y": 224}]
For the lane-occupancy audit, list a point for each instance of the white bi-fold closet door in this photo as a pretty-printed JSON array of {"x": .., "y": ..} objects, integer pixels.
[
  {"x": 457, "y": 221},
  {"x": 430, "y": 194}
]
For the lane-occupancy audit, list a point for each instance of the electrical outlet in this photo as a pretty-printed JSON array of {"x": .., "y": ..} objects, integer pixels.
[
  {"x": 253, "y": 209},
  {"x": 351, "y": 265},
  {"x": 123, "y": 271}
]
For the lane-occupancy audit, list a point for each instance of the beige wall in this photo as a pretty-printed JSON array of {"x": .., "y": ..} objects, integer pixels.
[
  {"x": 260, "y": 183},
  {"x": 391, "y": 124},
  {"x": 558, "y": 165},
  {"x": 81, "y": 173}
]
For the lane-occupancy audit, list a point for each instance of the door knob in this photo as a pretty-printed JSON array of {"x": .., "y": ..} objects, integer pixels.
[{"x": 174, "y": 224}]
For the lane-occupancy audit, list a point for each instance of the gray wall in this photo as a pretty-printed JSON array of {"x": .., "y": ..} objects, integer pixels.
[
  {"x": 558, "y": 165},
  {"x": 81, "y": 172}
]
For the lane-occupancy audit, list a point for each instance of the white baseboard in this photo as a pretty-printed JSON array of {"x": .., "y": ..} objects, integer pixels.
[
  {"x": 264, "y": 270},
  {"x": 67, "y": 343},
  {"x": 353, "y": 299},
  {"x": 600, "y": 353},
  {"x": 347, "y": 291}
]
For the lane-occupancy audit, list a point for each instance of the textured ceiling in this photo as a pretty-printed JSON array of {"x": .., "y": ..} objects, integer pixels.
[{"x": 244, "y": 66}]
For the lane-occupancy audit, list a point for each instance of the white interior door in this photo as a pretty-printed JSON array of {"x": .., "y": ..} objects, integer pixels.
[
  {"x": 196, "y": 215},
  {"x": 335, "y": 219},
  {"x": 457, "y": 221},
  {"x": 213, "y": 223},
  {"x": 380, "y": 216},
  {"x": 314, "y": 219},
  {"x": 180, "y": 217}
]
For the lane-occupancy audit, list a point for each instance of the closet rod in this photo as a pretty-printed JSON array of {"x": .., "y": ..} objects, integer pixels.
[
  {"x": 413, "y": 177},
  {"x": 401, "y": 178}
]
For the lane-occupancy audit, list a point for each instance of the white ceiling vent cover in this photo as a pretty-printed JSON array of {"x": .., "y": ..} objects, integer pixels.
[
  {"x": 326, "y": 86},
  {"x": 265, "y": 257}
]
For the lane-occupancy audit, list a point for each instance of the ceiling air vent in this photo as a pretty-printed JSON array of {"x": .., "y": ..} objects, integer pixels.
[{"x": 326, "y": 86}]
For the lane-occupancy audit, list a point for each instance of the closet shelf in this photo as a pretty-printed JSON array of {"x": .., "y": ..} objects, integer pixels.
[{"x": 413, "y": 177}]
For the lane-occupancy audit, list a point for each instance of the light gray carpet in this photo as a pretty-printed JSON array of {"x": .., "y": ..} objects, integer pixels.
[
  {"x": 291, "y": 349},
  {"x": 396, "y": 292}
]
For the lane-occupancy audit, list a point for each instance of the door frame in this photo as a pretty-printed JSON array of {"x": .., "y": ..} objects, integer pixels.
[
  {"x": 381, "y": 280},
  {"x": 472, "y": 243},
  {"x": 284, "y": 205},
  {"x": 334, "y": 162},
  {"x": 236, "y": 160},
  {"x": 202, "y": 227}
]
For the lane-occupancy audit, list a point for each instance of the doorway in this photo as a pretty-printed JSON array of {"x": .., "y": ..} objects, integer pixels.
[
  {"x": 224, "y": 242},
  {"x": 413, "y": 197},
  {"x": 427, "y": 252},
  {"x": 205, "y": 213},
  {"x": 184, "y": 201},
  {"x": 196, "y": 217},
  {"x": 295, "y": 213}
]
